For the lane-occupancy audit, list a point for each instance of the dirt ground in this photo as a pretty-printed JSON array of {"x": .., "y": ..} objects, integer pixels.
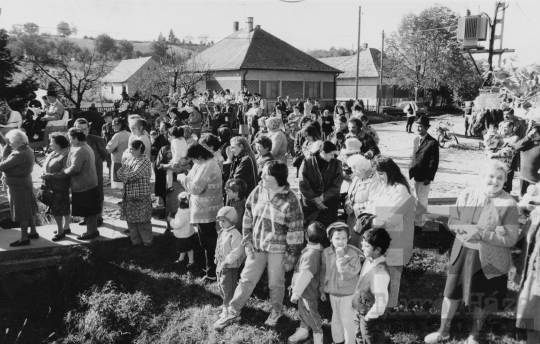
[{"x": 458, "y": 167}]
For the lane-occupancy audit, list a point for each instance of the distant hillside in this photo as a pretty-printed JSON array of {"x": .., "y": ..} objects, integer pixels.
[{"x": 143, "y": 47}]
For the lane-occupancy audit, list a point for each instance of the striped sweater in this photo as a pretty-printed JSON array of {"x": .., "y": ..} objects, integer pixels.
[{"x": 274, "y": 225}]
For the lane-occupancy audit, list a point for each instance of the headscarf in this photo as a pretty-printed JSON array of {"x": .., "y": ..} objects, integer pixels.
[{"x": 274, "y": 124}]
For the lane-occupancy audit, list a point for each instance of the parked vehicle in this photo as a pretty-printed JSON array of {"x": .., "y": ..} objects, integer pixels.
[{"x": 397, "y": 109}]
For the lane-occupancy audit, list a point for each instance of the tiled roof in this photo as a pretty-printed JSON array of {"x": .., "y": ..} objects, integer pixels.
[
  {"x": 368, "y": 67},
  {"x": 258, "y": 49},
  {"x": 125, "y": 69}
]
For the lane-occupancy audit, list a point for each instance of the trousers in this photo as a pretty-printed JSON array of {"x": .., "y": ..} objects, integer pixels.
[
  {"x": 308, "y": 312},
  {"x": 251, "y": 274},
  {"x": 208, "y": 236},
  {"x": 343, "y": 315},
  {"x": 422, "y": 193}
]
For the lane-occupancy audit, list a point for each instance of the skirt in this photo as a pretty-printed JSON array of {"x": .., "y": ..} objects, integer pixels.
[
  {"x": 466, "y": 281},
  {"x": 22, "y": 204},
  {"x": 115, "y": 183},
  {"x": 243, "y": 129},
  {"x": 136, "y": 210},
  {"x": 86, "y": 203},
  {"x": 184, "y": 245},
  {"x": 60, "y": 203}
]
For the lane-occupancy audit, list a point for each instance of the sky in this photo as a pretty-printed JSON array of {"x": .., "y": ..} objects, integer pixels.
[{"x": 307, "y": 24}]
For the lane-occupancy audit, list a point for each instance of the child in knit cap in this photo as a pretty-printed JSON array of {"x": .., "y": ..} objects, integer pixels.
[
  {"x": 229, "y": 255},
  {"x": 182, "y": 229}
]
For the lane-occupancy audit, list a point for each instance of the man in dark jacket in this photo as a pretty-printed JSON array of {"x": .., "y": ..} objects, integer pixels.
[
  {"x": 424, "y": 165},
  {"x": 320, "y": 180}
]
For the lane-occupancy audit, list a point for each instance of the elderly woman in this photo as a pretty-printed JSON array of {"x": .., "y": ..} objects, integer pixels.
[
  {"x": 485, "y": 220},
  {"x": 116, "y": 147},
  {"x": 137, "y": 196},
  {"x": 273, "y": 236},
  {"x": 361, "y": 189},
  {"x": 81, "y": 169},
  {"x": 279, "y": 140},
  {"x": 393, "y": 206},
  {"x": 205, "y": 184},
  {"x": 17, "y": 165},
  {"x": 320, "y": 183},
  {"x": 55, "y": 162},
  {"x": 190, "y": 137},
  {"x": 241, "y": 163},
  {"x": 137, "y": 125},
  {"x": 160, "y": 185}
]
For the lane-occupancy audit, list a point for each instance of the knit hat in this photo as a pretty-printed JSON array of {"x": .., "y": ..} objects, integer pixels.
[
  {"x": 227, "y": 213},
  {"x": 337, "y": 225},
  {"x": 352, "y": 146}
]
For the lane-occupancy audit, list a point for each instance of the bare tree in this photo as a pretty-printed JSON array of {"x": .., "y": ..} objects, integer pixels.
[
  {"x": 178, "y": 72},
  {"x": 72, "y": 70}
]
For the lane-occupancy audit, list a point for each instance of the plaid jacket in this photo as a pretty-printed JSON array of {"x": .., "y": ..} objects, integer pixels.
[
  {"x": 135, "y": 173},
  {"x": 274, "y": 225}
]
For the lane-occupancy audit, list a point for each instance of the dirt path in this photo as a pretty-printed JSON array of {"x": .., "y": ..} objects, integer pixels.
[{"x": 458, "y": 165}]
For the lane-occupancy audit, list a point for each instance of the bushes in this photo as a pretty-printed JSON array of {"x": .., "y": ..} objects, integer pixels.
[{"x": 110, "y": 316}]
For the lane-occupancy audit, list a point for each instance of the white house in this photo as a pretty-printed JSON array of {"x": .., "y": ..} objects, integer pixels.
[{"x": 122, "y": 77}]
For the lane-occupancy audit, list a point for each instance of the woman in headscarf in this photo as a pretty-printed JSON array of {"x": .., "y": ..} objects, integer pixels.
[
  {"x": 241, "y": 163},
  {"x": 160, "y": 185},
  {"x": 17, "y": 165},
  {"x": 320, "y": 181},
  {"x": 278, "y": 138},
  {"x": 361, "y": 189},
  {"x": 137, "y": 201}
]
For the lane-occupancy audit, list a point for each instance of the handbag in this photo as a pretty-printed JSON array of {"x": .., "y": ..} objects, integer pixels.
[
  {"x": 297, "y": 162},
  {"x": 45, "y": 195}
]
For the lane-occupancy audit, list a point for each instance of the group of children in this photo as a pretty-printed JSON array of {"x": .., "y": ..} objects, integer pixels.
[{"x": 356, "y": 280}]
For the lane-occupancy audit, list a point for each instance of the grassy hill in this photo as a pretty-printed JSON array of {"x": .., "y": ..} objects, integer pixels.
[{"x": 143, "y": 47}]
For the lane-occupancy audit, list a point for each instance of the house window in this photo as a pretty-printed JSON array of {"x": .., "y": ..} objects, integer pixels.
[
  {"x": 313, "y": 90},
  {"x": 270, "y": 89},
  {"x": 124, "y": 89},
  {"x": 112, "y": 89}
]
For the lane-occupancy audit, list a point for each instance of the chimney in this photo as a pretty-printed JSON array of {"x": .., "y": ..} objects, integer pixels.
[
  {"x": 365, "y": 46},
  {"x": 235, "y": 26},
  {"x": 257, "y": 26},
  {"x": 249, "y": 22}
]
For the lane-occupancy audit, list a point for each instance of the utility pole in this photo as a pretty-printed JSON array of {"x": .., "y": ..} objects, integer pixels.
[
  {"x": 379, "y": 103},
  {"x": 358, "y": 51}
]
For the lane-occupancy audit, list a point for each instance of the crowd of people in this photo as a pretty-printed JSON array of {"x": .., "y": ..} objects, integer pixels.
[{"x": 230, "y": 194}]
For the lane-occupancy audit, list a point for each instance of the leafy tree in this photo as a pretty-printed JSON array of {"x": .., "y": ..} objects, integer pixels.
[
  {"x": 172, "y": 37},
  {"x": 105, "y": 45},
  {"x": 203, "y": 39},
  {"x": 423, "y": 54},
  {"x": 159, "y": 48},
  {"x": 16, "y": 30},
  {"x": 126, "y": 48},
  {"x": 15, "y": 93},
  {"x": 31, "y": 28},
  {"x": 74, "y": 29},
  {"x": 522, "y": 83},
  {"x": 63, "y": 29}
]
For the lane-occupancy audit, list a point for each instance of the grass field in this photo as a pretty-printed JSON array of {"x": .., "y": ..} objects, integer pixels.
[{"x": 114, "y": 294}]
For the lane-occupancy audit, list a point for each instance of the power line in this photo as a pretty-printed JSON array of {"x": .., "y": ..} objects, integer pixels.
[{"x": 526, "y": 15}]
